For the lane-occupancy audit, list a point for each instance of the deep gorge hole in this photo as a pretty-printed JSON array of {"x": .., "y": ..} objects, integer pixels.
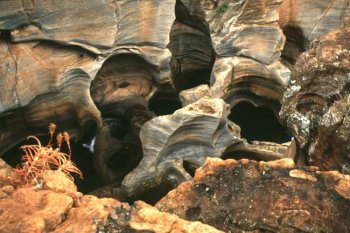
[
  {"x": 192, "y": 79},
  {"x": 165, "y": 102},
  {"x": 258, "y": 123}
]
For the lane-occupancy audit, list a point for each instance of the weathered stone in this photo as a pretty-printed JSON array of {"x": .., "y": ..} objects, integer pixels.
[
  {"x": 146, "y": 217},
  {"x": 42, "y": 83},
  {"x": 6, "y": 174},
  {"x": 41, "y": 80},
  {"x": 27, "y": 210},
  {"x": 192, "y": 56},
  {"x": 59, "y": 182},
  {"x": 61, "y": 21},
  {"x": 248, "y": 43},
  {"x": 189, "y": 136},
  {"x": 258, "y": 150},
  {"x": 237, "y": 79},
  {"x": 88, "y": 215},
  {"x": 244, "y": 195},
  {"x": 316, "y": 103},
  {"x": 303, "y": 26},
  {"x": 233, "y": 24},
  {"x": 59, "y": 208},
  {"x": 70, "y": 22},
  {"x": 192, "y": 95}
]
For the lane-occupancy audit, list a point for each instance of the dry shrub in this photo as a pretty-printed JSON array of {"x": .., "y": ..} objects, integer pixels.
[{"x": 37, "y": 159}]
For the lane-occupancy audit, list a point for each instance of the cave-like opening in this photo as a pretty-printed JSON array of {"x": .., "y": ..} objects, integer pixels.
[
  {"x": 296, "y": 43},
  {"x": 5, "y": 35},
  {"x": 258, "y": 123},
  {"x": 192, "y": 79},
  {"x": 164, "y": 102}
]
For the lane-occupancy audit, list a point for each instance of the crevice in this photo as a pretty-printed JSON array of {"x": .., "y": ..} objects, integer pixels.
[
  {"x": 296, "y": 43},
  {"x": 190, "y": 168},
  {"x": 258, "y": 123},
  {"x": 165, "y": 101},
  {"x": 5, "y": 35},
  {"x": 192, "y": 79},
  {"x": 14, "y": 90}
]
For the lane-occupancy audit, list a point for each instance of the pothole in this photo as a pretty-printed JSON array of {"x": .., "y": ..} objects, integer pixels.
[{"x": 258, "y": 123}]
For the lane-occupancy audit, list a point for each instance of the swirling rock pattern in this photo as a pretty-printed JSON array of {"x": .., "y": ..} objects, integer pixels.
[
  {"x": 190, "y": 135},
  {"x": 241, "y": 72},
  {"x": 96, "y": 77},
  {"x": 48, "y": 75},
  {"x": 41, "y": 83}
]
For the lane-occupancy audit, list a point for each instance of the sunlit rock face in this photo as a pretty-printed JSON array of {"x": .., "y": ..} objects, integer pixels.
[
  {"x": 246, "y": 195},
  {"x": 316, "y": 103},
  {"x": 153, "y": 88}
]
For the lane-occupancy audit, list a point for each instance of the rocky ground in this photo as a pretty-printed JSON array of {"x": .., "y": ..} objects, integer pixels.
[
  {"x": 232, "y": 196},
  {"x": 184, "y": 116}
]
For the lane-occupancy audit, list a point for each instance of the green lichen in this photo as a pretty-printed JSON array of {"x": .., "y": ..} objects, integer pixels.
[{"x": 223, "y": 7}]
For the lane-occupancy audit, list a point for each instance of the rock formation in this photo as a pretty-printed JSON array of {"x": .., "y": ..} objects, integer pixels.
[
  {"x": 316, "y": 103},
  {"x": 171, "y": 142},
  {"x": 302, "y": 26},
  {"x": 154, "y": 88},
  {"x": 58, "y": 207},
  {"x": 237, "y": 196}
]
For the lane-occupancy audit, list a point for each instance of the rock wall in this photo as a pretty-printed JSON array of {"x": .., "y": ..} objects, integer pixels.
[{"x": 99, "y": 75}]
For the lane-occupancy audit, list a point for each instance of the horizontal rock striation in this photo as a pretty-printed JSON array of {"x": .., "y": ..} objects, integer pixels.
[{"x": 169, "y": 142}]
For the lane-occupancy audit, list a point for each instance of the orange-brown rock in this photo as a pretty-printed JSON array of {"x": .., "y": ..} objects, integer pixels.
[
  {"x": 27, "y": 210},
  {"x": 145, "y": 217},
  {"x": 59, "y": 208},
  {"x": 59, "y": 182},
  {"x": 244, "y": 195},
  {"x": 91, "y": 213}
]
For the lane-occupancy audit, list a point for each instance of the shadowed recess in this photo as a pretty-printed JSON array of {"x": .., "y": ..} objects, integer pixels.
[
  {"x": 123, "y": 81},
  {"x": 192, "y": 79},
  {"x": 296, "y": 43},
  {"x": 5, "y": 35},
  {"x": 81, "y": 156},
  {"x": 258, "y": 123},
  {"x": 164, "y": 102}
]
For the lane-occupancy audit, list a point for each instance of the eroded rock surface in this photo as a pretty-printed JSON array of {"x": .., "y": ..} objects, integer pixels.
[
  {"x": 41, "y": 83},
  {"x": 57, "y": 68},
  {"x": 58, "y": 207},
  {"x": 302, "y": 26},
  {"x": 189, "y": 136},
  {"x": 245, "y": 195},
  {"x": 243, "y": 72},
  {"x": 316, "y": 104}
]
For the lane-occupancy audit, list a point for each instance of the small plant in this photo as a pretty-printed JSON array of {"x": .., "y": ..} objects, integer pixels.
[
  {"x": 223, "y": 7},
  {"x": 38, "y": 159}
]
